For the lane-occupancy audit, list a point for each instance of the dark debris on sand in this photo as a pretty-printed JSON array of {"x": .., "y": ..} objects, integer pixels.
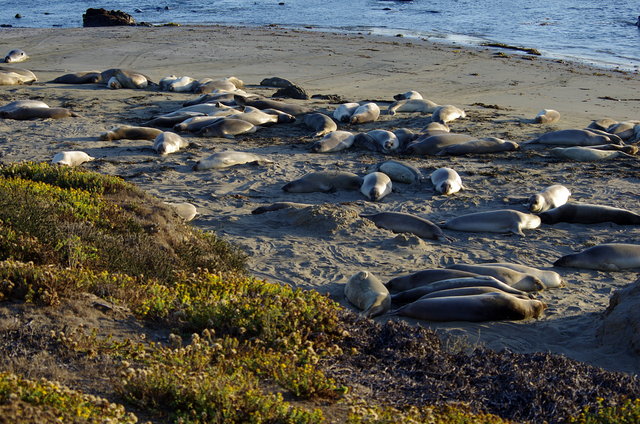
[{"x": 402, "y": 365}]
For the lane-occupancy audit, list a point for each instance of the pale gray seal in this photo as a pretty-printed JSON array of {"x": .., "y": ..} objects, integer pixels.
[
  {"x": 412, "y": 105},
  {"x": 584, "y": 213},
  {"x": 425, "y": 277},
  {"x": 324, "y": 181},
  {"x": 129, "y": 132},
  {"x": 447, "y": 113},
  {"x": 399, "y": 222},
  {"x": 185, "y": 210},
  {"x": 228, "y": 128},
  {"x": 25, "y": 113},
  {"x": 196, "y": 123},
  {"x": 344, "y": 111},
  {"x": 221, "y": 160},
  {"x": 587, "y": 154},
  {"x": 368, "y": 112},
  {"x": 446, "y": 181},
  {"x": 263, "y": 103},
  {"x": 16, "y": 55},
  {"x": 16, "y": 76},
  {"x": 71, "y": 158},
  {"x": 547, "y": 116},
  {"x": 333, "y": 142},
  {"x": 408, "y": 95},
  {"x": 474, "y": 308},
  {"x": 516, "y": 279},
  {"x": 604, "y": 257},
  {"x": 571, "y": 137},
  {"x": 398, "y": 171},
  {"x": 550, "y": 279},
  {"x": 168, "y": 142},
  {"x": 601, "y": 124},
  {"x": 278, "y": 206},
  {"x": 320, "y": 123},
  {"x": 376, "y": 185},
  {"x": 496, "y": 221},
  {"x": 255, "y": 116},
  {"x": 478, "y": 146},
  {"x": 368, "y": 294},
  {"x": 382, "y": 141},
  {"x": 123, "y": 78},
  {"x": 549, "y": 198}
]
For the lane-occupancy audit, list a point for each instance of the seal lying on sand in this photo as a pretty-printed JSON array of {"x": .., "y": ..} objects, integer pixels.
[
  {"x": 446, "y": 181},
  {"x": 16, "y": 55},
  {"x": 604, "y": 257},
  {"x": 425, "y": 277},
  {"x": 571, "y": 137},
  {"x": 584, "y": 213},
  {"x": 474, "y": 308},
  {"x": 547, "y": 116},
  {"x": 129, "y": 132},
  {"x": 168, "y": 142},
  {"x": 497, "y": 221},
  {"x": 325, "y": 181},
  {"x": 376, "y": 185},
  {"x": 368, "y": 294},
  {"x": 333, "y": 142},
  {"x": 399, "y": 222},
  {"x": 587, "y": 154},
  {"x": 549, "y": 198},
  {"x": 86, "y": 77},
  {"x": 71, "y": 158},
  {"x": 516, "y": 279},
  {"x": 320, "y": 123},
  {"x": 16, "y": 76},
  {"x": 221, "y": 160}
]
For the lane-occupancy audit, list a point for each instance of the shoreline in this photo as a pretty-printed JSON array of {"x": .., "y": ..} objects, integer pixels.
[
  {"x": 447, "y": 40},
  {"x": 320, "y": 248}
]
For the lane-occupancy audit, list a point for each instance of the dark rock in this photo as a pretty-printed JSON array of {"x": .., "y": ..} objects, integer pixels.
[
  {"x": 293, "y": 92},
  {"x": 103, "y": 17},
  {"x": 332, "y": 98},
  {"x": 276, "y": 82},
  {"x": 18, "y": 16}
]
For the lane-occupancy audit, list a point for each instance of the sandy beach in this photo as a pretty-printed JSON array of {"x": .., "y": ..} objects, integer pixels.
[{"x": 322, "y": 246}]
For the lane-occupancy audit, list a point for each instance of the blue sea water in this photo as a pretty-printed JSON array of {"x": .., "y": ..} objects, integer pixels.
[{"x": 598, "y": 32}]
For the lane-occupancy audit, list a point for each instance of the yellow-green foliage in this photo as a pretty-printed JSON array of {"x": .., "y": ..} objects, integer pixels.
[
  {"x": 628, "y": 412},
  {"x": 59, "y": 215},
  {"x": 448, "y": 414},
  {"x": 25, "y": 401},
  {"x": 206, "y": 382}
]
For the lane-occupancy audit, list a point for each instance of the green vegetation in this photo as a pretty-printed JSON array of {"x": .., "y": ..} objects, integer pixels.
[
  {"x": 628, "y": 412},
  {"x": 255, "y": 348}
]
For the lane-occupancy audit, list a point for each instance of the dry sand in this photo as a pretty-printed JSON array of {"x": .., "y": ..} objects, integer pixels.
[{"x": 321, "y": 247}]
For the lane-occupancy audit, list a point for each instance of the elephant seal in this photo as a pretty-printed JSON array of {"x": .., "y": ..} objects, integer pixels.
[
  {"x": 587, "y": 154},
  {"x": 222, "y": 97},
  {"x": 184, "y": 84},
  {"x": 344, "y": 111},
  {"x": 473, "y": 308},
  {"x": 412, "y": 105},
  {"x": 376, "y": 185},
  {"x": 185, "y": 210},
  {"x": 168, "y": 142},
  {"x": 408, "y": 95},
  {"x": 255, "y": 116},
  {"x": 368, "y": 112},
  {"x": 516, "y": 279},
  {"x": 432, "y": 144},
  {"x": 10, "y": 75},
  {"x": 481, "y": 145},
  {"x": 19, "y": 104},
  {"x": 228, "y": 128},
  {"x": 324, "y": 181},
  {"x": 435, "y": 128},
  {"x": 626, "y": 130},
  {"x": 399, "y": 222},
  {"x": 446, "y": 181},
  {"x": 367, "y": 293},
  {"x": 283, "y": 117},
  {"x": 496, "y": 221},
  {"x": 197, "y": 123},
  {"x": 86, "y": 77},
  {"x": 221, "y": 160},
  {"x": 382, "y": 141},
  {"x": 320, "y": 123},
  {"x": 584, "y": 213},
  {"x": 333, "y": 142},
  {"x": 466, "y": 291},
  {"x": 278, "y": 206},
  {"x": 263, "y": 103},
  {"x": 172, "y": 119},
  {"x": 571, "y": 137},
  {"x": 25, "y": 113},
  {"x": 547, "y": 116},
  {"x": 129, "y": 132},
  {"x": 604, "y": 257},
  {"x": 400, "y": 172},
  {"x": 71, "y": 158},
  {"x": 123, "y": 78},
  {"x": 424, "y": 278},
  {"x": 405, "y": 136},
  {"x": 473, "y": 280},
  {"x": 447, "y": 113},
  {"x": 601, "y": 124},
  {"x": 550, "y": 279},
  {"x": 15, "y": 56},
  {"x": 549, "y": 198}
]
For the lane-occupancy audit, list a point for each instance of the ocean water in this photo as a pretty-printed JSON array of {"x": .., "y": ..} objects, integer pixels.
[{"x": 597, "y": 32}]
